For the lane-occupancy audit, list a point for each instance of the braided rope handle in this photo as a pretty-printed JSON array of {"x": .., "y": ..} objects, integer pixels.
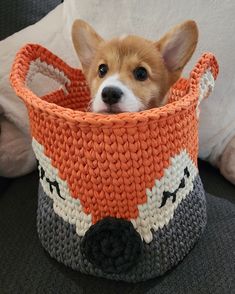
[
  {"x": 203, "y": 76},
  {"x": 33, "y": 59}
]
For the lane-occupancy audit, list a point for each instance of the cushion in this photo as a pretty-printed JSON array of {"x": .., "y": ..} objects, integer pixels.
[
  {"x": 54, "y": 32},
  {"x": 17, "y": 15}
]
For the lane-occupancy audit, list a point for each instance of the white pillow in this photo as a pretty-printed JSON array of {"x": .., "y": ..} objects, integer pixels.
[{"x": 150, "y": 19}]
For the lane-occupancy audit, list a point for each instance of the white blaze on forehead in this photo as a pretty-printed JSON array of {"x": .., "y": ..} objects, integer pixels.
[
  {"x": 123, "y": 37},
  {"x": 128, "y": 102}
]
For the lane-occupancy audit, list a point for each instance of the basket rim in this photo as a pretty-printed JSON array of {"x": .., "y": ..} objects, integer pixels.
[{"x": 31, "y": 52}]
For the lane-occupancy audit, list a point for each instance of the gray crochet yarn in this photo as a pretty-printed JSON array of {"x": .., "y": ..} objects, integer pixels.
[
  {"x": 120, "y": 197},
  {"x": 168, "y": 247}
]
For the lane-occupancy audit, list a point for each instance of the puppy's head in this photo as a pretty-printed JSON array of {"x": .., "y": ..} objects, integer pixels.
[{"x": 130, "y": 74}]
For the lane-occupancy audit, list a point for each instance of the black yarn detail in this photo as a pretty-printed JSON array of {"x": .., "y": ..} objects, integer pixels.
[
  {"x": 182, "y": 184},
  {"x": 52, "y": 184},
  {"x": 186, "y": 172},
  {"x": 56, "y": 185},
  {"x": 167, "y": 194},
  {"x": 113, "y": 245},
  {"x": 42, "y": 173}
]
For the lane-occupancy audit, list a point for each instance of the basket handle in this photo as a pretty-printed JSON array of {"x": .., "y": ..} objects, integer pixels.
[
  {"x": 33, "y": 59},
  {"x": 203, "y": 76}
]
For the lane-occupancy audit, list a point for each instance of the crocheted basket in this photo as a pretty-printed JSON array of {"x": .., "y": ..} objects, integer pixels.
[{"x": 120, "y": 196}]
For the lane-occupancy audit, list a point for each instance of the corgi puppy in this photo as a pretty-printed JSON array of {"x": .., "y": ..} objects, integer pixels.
[{"x": 130, "y": 73}]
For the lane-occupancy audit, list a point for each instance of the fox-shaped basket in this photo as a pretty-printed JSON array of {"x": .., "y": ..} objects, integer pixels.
[{"x": 120, "y": 196}]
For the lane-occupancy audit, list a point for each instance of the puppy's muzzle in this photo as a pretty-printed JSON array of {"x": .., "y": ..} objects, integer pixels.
[
  {"x": 111, "y": 95},
  {"x": 112, "y": 245}
]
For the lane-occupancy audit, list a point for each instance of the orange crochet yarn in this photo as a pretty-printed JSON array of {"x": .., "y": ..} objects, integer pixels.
[
  {"x": 119, "y": 195},
  {"x": 109, "y": 161}
]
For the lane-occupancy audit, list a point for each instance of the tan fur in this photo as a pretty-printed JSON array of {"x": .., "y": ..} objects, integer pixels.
[{"x": 164, "y": 59}]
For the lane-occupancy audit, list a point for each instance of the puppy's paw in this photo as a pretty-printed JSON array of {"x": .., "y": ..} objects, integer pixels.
[{"x": 227, "y": 161}]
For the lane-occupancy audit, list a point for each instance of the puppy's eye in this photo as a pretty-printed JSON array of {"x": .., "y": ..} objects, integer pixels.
[
  {"x": 140, "y": 74},
  {"x": 103, "y": 69}
]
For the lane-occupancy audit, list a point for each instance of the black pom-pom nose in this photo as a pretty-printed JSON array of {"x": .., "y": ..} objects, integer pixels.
[
  {"x": 111, "y": 95},
  {"x": 113, "y": 245}
]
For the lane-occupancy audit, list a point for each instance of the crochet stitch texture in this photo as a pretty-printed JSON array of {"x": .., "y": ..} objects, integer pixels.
[{"x": 131, "y": 175}]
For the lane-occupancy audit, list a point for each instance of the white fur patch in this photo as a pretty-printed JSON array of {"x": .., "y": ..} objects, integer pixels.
[
  {"x": 128, "y": 102},
  {"x": 123, "y": 37}
]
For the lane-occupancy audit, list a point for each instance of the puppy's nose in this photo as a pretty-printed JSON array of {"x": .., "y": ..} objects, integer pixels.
[{"x": 111, "y": 95}]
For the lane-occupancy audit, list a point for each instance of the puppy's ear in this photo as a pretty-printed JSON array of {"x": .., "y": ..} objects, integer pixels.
[
  {"x": 178, "y": 45},
  {"x": 85, "y": 41}
]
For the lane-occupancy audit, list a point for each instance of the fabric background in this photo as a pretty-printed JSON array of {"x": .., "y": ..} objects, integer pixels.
[
  {"x": 216, "y": 24},
  {"x": 152, "y": 19},
  {"x": 25, "y": 267},
  {"x": 16, "y": 15}
]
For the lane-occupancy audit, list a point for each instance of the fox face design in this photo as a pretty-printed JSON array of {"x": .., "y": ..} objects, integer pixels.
[
  {"x": 120, "y": 196},
  {"x": 161, "y": 199}
]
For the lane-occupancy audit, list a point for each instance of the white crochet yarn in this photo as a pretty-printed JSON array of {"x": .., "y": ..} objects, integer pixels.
[
  {"x": 69, "y": 208},
  {"x": 207, "y": 84},
  {"x": 151, "y": 214},
  {"x": 38, "y": 66}
]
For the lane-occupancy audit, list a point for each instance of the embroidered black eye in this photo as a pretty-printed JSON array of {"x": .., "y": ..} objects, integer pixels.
[
  {"x": 103, "y": 69},
  {"x": 140, "y": 74},
  {"x": 51, "y": 184}
]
